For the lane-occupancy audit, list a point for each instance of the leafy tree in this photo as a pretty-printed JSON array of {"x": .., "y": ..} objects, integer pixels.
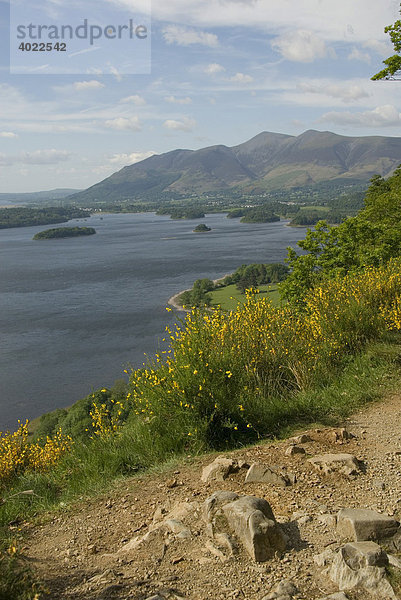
[
  {"x": 370, "y": 238},
  {"x": 393, "y": 63}
]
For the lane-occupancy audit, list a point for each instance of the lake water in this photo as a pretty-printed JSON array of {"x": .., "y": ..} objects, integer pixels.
[{"x": 75, "y": 312}]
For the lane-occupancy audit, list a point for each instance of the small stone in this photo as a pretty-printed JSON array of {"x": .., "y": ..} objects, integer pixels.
[
  {"x": 282, "y": 590},
  {"x": 171, "y": 483},
  {"x": 300, "y": 439},
  {"x": 219, "y": 469},
  {"x": 293, "y": 450},
  {"x": 259, "y": 473},
  {"x": 346, "y": 464}
]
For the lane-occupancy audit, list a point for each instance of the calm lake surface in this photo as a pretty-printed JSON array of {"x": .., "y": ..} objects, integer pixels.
[{"x": 75, "y": 312}]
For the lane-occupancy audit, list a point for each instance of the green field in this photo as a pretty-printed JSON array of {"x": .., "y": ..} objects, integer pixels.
[
  {"x": 309, "y": 207},
  {"x": 229, "y": 296}
]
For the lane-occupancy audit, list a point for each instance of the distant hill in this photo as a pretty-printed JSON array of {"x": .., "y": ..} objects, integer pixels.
[
  {"x": 269, "y": 161},
  {"x": 27, "y": 198}
]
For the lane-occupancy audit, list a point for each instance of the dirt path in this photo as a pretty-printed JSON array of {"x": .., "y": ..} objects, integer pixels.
[{"x": 79, "y": 555}]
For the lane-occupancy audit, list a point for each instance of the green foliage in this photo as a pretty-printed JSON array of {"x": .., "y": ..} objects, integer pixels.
[
  {"x": 63, "y": 232},
  {"x": 369, "y": 239},
  {"x": 312, "y": 217},
  {"x": 199, "y": 295},
  {"x": 202, "y": 228},
  {"x": 254, "y": 275},
  {"x": 76, "y": 421},
  {"x": 17, "y": 580},
  {"x": 393, "y": 63},
  {"x": 24, "y": 217}
]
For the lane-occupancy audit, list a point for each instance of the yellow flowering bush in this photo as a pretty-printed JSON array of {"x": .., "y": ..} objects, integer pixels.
[
  {"x": 222, "y": 369},
  {"x": 17, "y": 454}
]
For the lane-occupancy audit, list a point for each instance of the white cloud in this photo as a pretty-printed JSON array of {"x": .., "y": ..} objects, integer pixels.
[
  {"x": 174, "y": 100},
  {"x": 381, "y": 47},
  {"x": 300, "y": 46},
  {"x": 241, "y": 78},
  {"x": 346, "y": 93},
  {"x": 185, "y": 124},
  {"x": 182, "y": 36},
  {"x": 87, "y": 85},
  {"x": 124, "y": 124},
  {"x": 8, "y": 134},
  {"x": 382, "y": 116},
  {"x": 357, "y": 54},
  {"x": 136, "y": 99},
  {"x": 129, "y": 159},
  {"x": 213, "y": 69},
  {"x": 38, "y": 157}
]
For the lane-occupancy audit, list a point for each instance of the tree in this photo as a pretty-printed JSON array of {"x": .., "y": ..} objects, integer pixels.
[
  {"x": 370, "y": 238},
  {"x": 393, "y": 63}
]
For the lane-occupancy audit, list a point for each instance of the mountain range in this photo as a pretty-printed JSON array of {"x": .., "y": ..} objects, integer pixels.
[{"x": 268, "y": 161}]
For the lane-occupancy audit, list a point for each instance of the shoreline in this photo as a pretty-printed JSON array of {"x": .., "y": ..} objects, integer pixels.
[{"x": 173, "y": 301}]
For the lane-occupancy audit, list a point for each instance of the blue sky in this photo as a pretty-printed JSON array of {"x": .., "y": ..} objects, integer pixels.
[{"x": 222, "y": 71}]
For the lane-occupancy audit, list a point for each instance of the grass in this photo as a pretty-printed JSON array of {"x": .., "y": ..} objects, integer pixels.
[{"x": 229, "y": 296}]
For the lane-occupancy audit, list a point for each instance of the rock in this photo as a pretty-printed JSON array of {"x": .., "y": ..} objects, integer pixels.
[
  {"x": 227, "y": 542},
  {"x": 336, "y": 596},
  {"x": 253, "y": 522},
  {"x": 212, "y": 508},
  {"x": 215, "y": 551},
  {"x": 328, "y": 520},
  {"x": 325, "y": 558},
  {"x": 346, "y": 464},
  {"x": 361, "y": 524},
  {"x": 243, "y": 464},
  {"x": 342, "y": 435},
  {"x": 362, "y": 554},
  {"x": 292, "y": 450},
  {"x": 282, "y": 590},
  {"x": 178, "y": 528},
  {"x": 352, "y": 567},
  {"x": 259, "y": 473},
  {"x": 181, "y": 510},
  {"x": 305, "y": 519},
  {"x": 219, "y": 469},
  {"x": 395, "y": 542},
  {"x": 394, "y": 561},
  {"x": 300, "y": 439}
]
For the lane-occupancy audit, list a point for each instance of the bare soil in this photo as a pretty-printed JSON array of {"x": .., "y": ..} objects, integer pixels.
[{"x": 77, "y": 553}]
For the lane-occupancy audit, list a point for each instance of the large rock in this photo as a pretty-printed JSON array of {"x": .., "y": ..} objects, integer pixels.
[
  {"x": 253, "y": 522},
  {"x": 346, "y": 464},
  {"x": 259, "y": 473},
  {"x": 359, "y": 565},
  {"x": 219, "y": 469},
  {"x": 361, "y": 524},
  {"x": 212, "y": 510}
]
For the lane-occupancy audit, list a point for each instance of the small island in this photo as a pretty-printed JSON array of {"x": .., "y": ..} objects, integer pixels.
[
  {"x": 63, "y": 232},
  {"x": 202, "y": 228}
]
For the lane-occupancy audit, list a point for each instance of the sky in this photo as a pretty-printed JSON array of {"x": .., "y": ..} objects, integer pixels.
[{"x": 212, "y": 72}]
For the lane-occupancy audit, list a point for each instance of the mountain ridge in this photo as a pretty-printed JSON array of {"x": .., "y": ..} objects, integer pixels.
[{"x": 267, "y": 161}]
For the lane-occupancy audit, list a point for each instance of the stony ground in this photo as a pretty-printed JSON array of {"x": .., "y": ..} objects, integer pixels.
[{"x": 79, "y": 554}]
